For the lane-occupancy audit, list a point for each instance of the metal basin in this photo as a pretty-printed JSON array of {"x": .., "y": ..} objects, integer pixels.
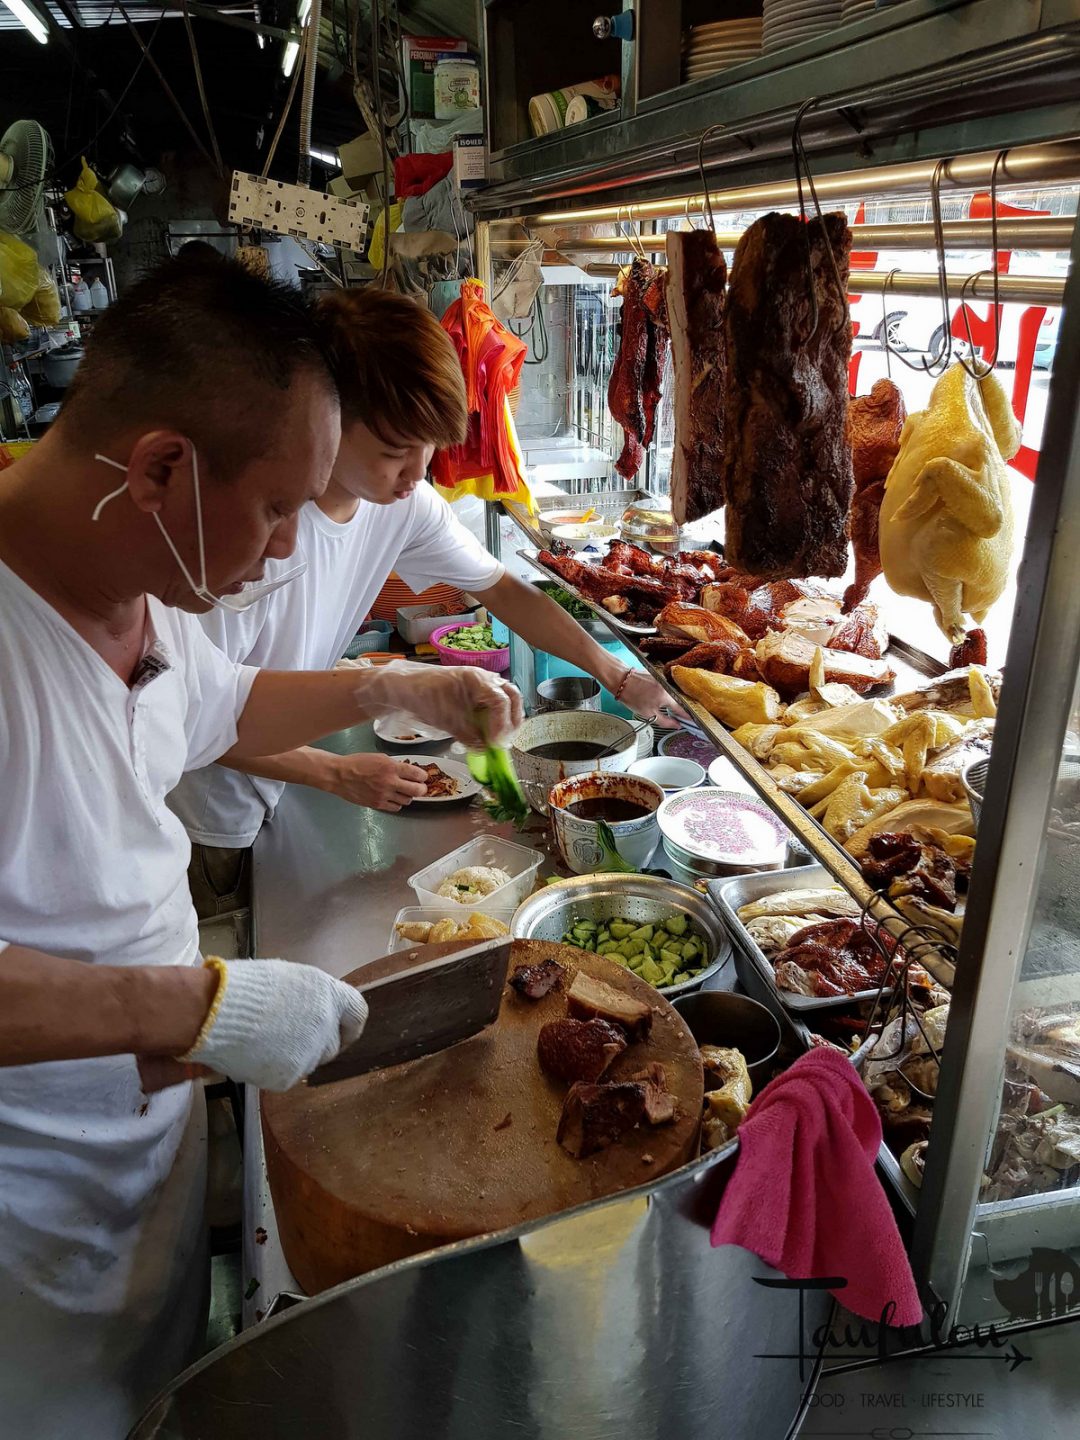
[
  {"x": 641, "y": 898},
  {"x": 538, "y": 774}
]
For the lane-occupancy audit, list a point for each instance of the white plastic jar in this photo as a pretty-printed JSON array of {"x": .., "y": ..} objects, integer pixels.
[{"x": 457, "y": 86}]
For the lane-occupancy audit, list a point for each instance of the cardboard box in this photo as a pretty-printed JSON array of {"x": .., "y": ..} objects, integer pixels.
[
  {"x": 360, "y": 157},
  {"x": 419, "y": 54},
  {"x": 470, "y": 161}
]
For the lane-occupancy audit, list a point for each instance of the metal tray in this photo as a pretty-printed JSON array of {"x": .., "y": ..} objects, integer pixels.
[
  {"x": 730, "y": 895},
  {"x": 620, "y": 627}
]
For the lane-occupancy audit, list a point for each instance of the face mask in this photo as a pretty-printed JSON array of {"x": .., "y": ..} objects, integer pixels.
[{"x": 253, "y": 590}]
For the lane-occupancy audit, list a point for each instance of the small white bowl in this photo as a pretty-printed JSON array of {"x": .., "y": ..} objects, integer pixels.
[
  {"x": 591, "y": 532},
  {"x": 669, "y": 772}
]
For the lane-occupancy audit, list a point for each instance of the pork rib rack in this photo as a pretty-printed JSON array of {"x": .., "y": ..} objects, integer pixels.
[
  {"x": 787, "y": 463},
  {"x": 634, "y": 386},
  {"x": 697, "y": 277}
]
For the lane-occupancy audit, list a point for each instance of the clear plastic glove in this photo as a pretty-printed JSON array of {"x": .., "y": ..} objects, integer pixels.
[
  {"x": 378, "y": 782},
  {"x": 272, "y": 1022},
  {"x": 445, "y": 697},
  {"x": 648, "y": 699}
]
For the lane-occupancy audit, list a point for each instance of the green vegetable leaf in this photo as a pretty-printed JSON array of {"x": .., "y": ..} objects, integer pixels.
[
  {"x": 611, "y": 860},
  {"x": 493, "y": 767}
]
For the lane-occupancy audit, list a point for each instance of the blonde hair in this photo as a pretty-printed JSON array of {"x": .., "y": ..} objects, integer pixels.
[{"x": 395, "y": 366}]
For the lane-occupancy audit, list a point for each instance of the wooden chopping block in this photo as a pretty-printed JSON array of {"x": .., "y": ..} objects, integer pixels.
[{"x": 462, "y": 1143}]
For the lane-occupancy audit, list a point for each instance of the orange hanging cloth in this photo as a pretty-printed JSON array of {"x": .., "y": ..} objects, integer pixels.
[{"x": 489, "y": 464}]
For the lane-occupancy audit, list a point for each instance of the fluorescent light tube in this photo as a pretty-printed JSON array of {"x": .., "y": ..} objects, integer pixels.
[
  {"x": 32, "y": 20},
  {"x": 328, "y": 157},
  {"x": 288, "y": 59}
]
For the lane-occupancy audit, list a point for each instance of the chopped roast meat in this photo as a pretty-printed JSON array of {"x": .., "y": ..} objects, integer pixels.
[
  {"x": 630, "y": 559},
  {"x": 601, "y": 584},
  {"x": 784, "y": 660},
  {"x": 889, "y": 855},
  {"x": 862, "y": 634},
  {"x": 903, "y": 865},
  {"x": 663, "y": 648},
  {"x": 970, "y": 651},
  {"x": 787, "y": 475},
  {"x": 697, "y": 277},
  {"x": 831, "y": 958},
  {"x": 659, "y": 1101},
  {"x": 704, "y": 560},
  {"x": 595, "y": 1116},
  {"x": 718, "y": 655},
  {"x": 536, "y": 981},
  {"x": 755, "y": 607},
  {"x": 697, "y": 623},
  {"x": 951, "y": 691},
  {"x": 874, "y": 423},
  {"x": 578, "y": 1049},
  {"x": 634, "y": 386},
  {"x": 588, "y": 997}
]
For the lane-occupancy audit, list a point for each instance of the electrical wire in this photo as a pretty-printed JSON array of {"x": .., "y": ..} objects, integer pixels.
[
  {"x": 165, "y": 85},
  {"x": 202, "y": 89},
  {"x": 287, "y": 107},
  {"x": 307, "y": 93}
]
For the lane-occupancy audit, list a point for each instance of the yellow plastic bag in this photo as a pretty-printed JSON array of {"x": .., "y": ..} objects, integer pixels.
[
  {"x": 12, "y": 326},
  {"x": 43, "y": 307},
  {"x": 378, "y": 234},
  {"x": 95, "y": 219},
  {"x": 18, "y": 272}
]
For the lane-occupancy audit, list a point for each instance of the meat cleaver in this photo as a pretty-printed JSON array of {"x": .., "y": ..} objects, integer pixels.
[{"x": 424, "y": 1009}]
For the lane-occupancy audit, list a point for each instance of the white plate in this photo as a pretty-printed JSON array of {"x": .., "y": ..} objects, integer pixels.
[
  {"x": 798, "y": 9},
  {"x": 723, "y": 52},
  {"x": 722, "y": 827},
  {"x": 706, "y": 67},
  {"x": 467, "y": 786},
  {"x": 403, "y": 730},
  {"x": 726, "y": 27}
]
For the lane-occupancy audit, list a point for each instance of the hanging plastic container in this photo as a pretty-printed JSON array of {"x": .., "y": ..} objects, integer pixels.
[{"x": 457, "y": 86}]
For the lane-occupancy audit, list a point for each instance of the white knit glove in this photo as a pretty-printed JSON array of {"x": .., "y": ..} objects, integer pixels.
[
  {"x": 273, "y": 1021},
  {"x": 445, "y": 697}
]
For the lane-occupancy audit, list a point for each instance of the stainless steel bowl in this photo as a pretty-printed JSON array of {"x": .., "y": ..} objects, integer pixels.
[{"x": 642, "y": 898}]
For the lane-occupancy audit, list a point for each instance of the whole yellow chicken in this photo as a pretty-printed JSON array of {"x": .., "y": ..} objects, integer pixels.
[{"x": 946, "y": 530}]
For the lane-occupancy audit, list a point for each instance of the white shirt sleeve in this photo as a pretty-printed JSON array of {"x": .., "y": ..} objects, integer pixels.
[
  {"x": 217, "y": 691},
  {"x": 440, "y": 550}
]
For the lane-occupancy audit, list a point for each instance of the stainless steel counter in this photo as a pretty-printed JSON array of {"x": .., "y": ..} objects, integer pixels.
[{"x": 328, "y": 879}]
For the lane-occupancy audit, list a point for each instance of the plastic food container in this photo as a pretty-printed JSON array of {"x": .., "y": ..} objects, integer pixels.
[
  {"x": 445, "y": 910},
  {"x": 497, "y": 659},
  {"x": 416, "y": 623},
  {"x": 519, "y": 863}
]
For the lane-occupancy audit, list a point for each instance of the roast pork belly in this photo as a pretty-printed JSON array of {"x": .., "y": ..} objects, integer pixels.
[
  {"x": 588, "y": 997},
  {"x": 578, "y": 1049},
  {"x": 697, "y": 277},
  {"x": 659, "y": 1101},
  {"x": 634, "y": 386},
  {"x": 784, "y": 660},
  {"x": 787, "y": 475},
  {"x": 536, "y": 981}
]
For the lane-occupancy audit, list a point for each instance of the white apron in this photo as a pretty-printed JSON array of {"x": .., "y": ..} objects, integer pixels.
[{"x": 102, "y": 1273}]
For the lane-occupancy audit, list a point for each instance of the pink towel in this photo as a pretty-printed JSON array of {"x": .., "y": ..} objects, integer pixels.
[{"x": 804, "y": 1196}]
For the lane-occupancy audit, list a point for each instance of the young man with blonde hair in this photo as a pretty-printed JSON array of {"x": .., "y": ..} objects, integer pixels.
[{"x": 402, "y": 397}]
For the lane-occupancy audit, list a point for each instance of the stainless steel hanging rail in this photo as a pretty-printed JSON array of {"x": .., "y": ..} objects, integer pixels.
[
  {"x": 1028, "y": 165},
  {"x": 1024, "y": 289},
  {"x": 1013, "y": 234}
]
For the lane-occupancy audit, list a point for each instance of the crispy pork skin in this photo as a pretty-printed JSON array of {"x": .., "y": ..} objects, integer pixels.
[
  {"x": 787, "y": 475},
  {"x": 697, "y": 279},
  {"x": 588, "y": 997}
]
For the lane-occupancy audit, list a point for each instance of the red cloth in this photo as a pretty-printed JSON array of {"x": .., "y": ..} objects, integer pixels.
[
  {"x": 416, "y": 174},
  {"x": 804, "y": 1195}
]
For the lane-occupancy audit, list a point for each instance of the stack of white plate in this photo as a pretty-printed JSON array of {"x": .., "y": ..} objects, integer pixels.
[
  {"x": 790, "y": 22},
  {"x": 852, "y": 10},
  {"x": 708, "y": 49}
]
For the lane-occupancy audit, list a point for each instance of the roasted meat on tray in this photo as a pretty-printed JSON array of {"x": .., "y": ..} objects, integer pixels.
[
  {"x": 634, "y": 386},
  {"x": 834, "y": 957},
  {"x": 578, "y": 1049},
  {"x": 697, "y": 278},
  {"x": 787, "y": 476}
]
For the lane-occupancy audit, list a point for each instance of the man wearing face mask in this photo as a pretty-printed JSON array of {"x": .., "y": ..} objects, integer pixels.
[
  {"x": 402, "y": 395},
  {"x": 108, "y": 690}
]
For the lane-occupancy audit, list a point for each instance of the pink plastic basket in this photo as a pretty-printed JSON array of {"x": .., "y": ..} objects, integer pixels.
[{"x": 483, "y": 659}]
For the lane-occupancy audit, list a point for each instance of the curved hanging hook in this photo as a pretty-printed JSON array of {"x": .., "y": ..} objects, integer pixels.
[
  {"x": 628, "y": 233},
  {"x": 937, "y": 364},
  {"x": 972, "y": 366},
  {"x": 802, "y": 164},
  {"x": 708, "y": 210}
]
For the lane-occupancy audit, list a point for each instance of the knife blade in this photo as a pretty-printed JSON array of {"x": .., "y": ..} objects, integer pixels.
[{"x": 424, "y": 1009}]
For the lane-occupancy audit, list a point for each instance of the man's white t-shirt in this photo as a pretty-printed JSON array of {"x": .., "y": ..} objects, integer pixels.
[
  {"x": 307, "y": 625},
  {"x": 98, "y": 1217}
]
